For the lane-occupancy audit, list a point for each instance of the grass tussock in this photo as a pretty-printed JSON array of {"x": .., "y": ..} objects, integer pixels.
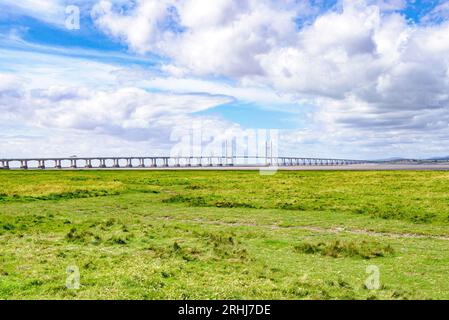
[
  {"x": 176, "y": 251},
  {"x": 206, "y": 247},
  {"x": 190, "y": 201},
  {"x": 340, "y": 249},
  {"x": 207, "y": 202},
  {"x": 67, "y": 195},
  {"x": 82, "y": 237},
  {"x": 225, "y": 246}
]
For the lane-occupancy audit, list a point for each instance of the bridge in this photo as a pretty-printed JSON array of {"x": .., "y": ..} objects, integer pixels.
[{"x": 168, "y": 162}]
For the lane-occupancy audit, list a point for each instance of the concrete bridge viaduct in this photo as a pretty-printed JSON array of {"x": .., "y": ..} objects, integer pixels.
[{"x": 167, "y": 162}]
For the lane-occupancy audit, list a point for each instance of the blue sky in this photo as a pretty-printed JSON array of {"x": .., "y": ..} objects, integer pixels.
[{"x": 337, "y": 77}]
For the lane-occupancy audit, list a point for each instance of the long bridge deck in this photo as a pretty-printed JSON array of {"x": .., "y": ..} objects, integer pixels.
[{"x": 169, "y": 162}]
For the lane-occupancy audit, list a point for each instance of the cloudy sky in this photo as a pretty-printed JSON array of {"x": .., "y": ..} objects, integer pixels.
[{"x": 355, "y": 79}]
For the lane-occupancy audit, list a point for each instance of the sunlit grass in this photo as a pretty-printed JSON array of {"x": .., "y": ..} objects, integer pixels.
[{"x": 230, "y": 235}]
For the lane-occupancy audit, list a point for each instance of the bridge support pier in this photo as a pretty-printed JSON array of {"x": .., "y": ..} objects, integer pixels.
[
  {"x": 88, "y": 164},
  {"x": 116, "y": 163},
  {"x": 129, "y": 163},
  {"x": 166, "y": 163},
  {"x": 153, "y": 162},
  {"x": 23, "y": 164},
  {"x": 102, "y": 163},
  {"x": 41, "y": 164},
  {"x": 5, "y": 165},
  {"x": 58, "y": 164},
  {"x": 73, "y": 164},
  {"x": 141, "y": 163}
]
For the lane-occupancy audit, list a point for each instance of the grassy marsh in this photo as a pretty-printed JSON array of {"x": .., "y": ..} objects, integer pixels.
[{"x": 230, "y": 235}]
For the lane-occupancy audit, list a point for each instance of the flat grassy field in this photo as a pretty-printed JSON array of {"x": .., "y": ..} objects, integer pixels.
[{"x": 224, "y": 234}]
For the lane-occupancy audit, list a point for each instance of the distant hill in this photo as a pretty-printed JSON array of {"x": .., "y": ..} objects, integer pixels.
[
  {"x": 399, "y": 159},
  {"x": 440, "y": 158},
  {"x": 391, "y": 159}
]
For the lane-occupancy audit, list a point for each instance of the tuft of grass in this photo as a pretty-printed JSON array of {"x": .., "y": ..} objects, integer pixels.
[
  {"x": 338, "y": 249},
  {"x": 8, "y": 226},
  {"x": 118, "y": 240},
  {"x": 291, "y": 205},
  {"x": 233, "y": 204},
  {"x": 205, "y": 202},
  {"x": 75, "y": 194},
  {"x": 225, "y": 246},
  {"x": 82, "y": 237},
  {"x": 191, "y": 201}
]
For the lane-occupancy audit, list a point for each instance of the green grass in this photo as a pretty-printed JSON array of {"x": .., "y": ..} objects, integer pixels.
[{"x": 223, "y": 234}]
